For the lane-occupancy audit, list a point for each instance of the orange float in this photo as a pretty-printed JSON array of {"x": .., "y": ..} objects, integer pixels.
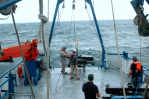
[{"x": 20, "y": 71}]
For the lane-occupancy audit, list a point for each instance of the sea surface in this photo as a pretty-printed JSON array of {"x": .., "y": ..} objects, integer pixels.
[{"x": 89, "y": 43}]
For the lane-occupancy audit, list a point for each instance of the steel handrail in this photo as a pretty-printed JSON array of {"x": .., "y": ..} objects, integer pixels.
[
  {"x": 10, "y": 69},
  {"x": 4, "y": 82}
]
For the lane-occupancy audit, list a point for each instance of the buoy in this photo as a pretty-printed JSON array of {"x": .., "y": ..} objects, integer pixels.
[
  {"x": 77, "y": 42},
  {"x": 20, "y": 71}
]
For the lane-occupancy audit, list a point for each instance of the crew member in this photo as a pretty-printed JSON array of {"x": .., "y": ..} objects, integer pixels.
[
  {"x": 63, "y": 56},
  {"x": 73, "y": 64},
  {"x": 136, "y": 71},
  {"x": 90, "y": 89}
]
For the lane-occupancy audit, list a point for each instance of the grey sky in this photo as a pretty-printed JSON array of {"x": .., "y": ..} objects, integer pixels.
[{"x": 28, "y": 10}]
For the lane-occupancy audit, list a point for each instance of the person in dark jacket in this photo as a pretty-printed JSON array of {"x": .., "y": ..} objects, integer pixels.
[
  {"x": 73, "y": 63},
  {"x": 136, "y": 71},
  {"x": 90, "y": 89}
]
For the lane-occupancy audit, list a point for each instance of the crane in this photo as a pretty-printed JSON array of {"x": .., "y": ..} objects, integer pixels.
[
  {"x": 141, "y": 19},
  {"x": 29, "y": 48}
]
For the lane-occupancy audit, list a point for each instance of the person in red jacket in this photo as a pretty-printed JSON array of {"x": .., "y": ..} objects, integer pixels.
[{"x": 63, "y": 56}]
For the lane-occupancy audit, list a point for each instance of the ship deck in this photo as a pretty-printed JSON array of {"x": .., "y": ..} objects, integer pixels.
[{"x": 62, "y": 87}]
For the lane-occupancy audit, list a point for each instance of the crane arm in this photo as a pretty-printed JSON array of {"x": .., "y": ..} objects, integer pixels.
[{"x": 30, "y": 51}]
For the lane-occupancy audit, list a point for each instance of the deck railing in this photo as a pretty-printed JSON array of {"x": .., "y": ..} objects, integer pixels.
[
  {"x": 112, "y": 60},
  {"x": 9, "y": 78}
]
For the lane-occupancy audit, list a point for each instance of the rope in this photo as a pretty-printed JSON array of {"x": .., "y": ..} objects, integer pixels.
[
  {"x": 43, "y": 21},
  {"x": 61, "y": 12},
  {"x": 93, "y": 25},
  {"x": 43, "y": 18},
  {"x": 70, "y": 29},
  {"x": 44, "y": 45},
  {"x": 56, "y": 86},
  {"x": 59, "y": 15},
  {"x": 83, "y": 75},
  {"x": 55, "y": 27},
  {"x": 74, "y": 31},
  {"x": 39, "y": 36},
  {"x": 118, "y": 51},
  {"x": 145, "y": 39},
  {"x": 73, "y": 13},
  {"x": 97, "y": 60},
  {"x": 88, "y": 12},
  {"x": 91, "y": 21},
  {"x": 22, "y": 55},
  {"x": 48, "y": 96}
]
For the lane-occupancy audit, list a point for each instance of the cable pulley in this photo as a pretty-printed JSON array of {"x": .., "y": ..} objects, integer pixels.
[
  {"x": 141, "y": 19},
  {"x": 63, "y": 6},
  {"x": 73, "y": 5},
  {"x": 85, "y": 6},
  {"x": 7, "y": 10}
]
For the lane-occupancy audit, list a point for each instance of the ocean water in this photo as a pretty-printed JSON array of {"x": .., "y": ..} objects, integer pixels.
[{"x": 89, "y": 44}]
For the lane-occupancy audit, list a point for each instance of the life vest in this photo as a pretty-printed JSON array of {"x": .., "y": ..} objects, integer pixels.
[
  {"x": 138, "y": 65},
  {"x": 71, "y": 59},
  {"x": 20, "y": 71},
  {"x": 63, "y": 51}
]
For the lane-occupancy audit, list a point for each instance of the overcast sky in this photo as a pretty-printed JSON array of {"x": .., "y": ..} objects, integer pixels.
[{"x": 28, "y": 10}]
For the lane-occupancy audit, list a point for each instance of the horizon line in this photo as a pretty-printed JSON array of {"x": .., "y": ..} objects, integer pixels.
[{"x": 64, "y": 21}]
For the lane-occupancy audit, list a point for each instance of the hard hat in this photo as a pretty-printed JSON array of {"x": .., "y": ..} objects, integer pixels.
[
  {"x": 134, "y": 57},
  {"x": 63, "y": 47},
  {"x": 74, "y": 50}
]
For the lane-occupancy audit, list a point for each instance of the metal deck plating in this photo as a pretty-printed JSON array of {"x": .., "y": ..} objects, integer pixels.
[{"x": 62, "y": 87}]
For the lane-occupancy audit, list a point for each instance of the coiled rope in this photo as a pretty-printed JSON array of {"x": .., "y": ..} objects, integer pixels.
[
  {"x": 118, "y": 50},
  {"x": 43, "y": 21}
]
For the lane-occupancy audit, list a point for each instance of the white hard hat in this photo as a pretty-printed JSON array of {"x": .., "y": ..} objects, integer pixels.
[{"x": 74, "y": 50}]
